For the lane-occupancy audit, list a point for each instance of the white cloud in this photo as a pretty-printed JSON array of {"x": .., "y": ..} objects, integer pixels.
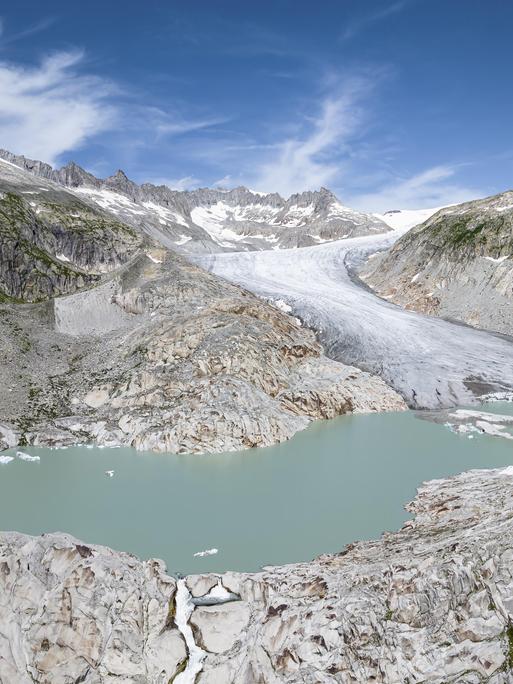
[
  {"x": 434, "y": 187},
  {"x": 225, "y": 182},
  {"x": 50, "y": 108},
  {"x": 170, "y": 126},
  {"x": 303, "y": 163},
  {"x": 53, "y": 107},
  {"x": 185, "y": 183},
  {"x": 25, "y": 33}
]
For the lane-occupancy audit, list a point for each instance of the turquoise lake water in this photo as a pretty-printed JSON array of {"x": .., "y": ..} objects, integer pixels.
[{"x": 334, "y": 483}]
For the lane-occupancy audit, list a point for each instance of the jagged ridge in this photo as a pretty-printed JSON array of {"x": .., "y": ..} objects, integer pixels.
[{"x": 213, "y": 219}]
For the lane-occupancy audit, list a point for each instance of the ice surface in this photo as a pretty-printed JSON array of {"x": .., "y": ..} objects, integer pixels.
[
  {"x": 27, "y": 457},
  {"x": 184, "y": 608},
  {"x": 433, "y": 363},
  {"x": 207, "y": 552}
]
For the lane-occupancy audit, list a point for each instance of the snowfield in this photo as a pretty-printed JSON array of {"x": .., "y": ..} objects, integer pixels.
[{"x": 432, "y": 363}]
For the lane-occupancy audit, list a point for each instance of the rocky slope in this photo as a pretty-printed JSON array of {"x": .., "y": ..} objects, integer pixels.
[
  {"x": 428, "y": 604},
  {"x": 166, "y": 357},
  {"x": 213, "y": 220},
  {"x": 70, "y": 612},
  {"x": 157, "y": 354},
  {"x": 51, "y": 242},
  {"x": 458, "y": 265}
]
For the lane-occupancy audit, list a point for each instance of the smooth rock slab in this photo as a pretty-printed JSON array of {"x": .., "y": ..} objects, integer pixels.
[
  {"x": 71, "y": 612},
  {"x": 217, "y": 627}
]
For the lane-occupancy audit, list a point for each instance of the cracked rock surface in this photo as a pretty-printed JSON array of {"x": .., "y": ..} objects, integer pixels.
[
  {"x": 432, "y": 602},
  {"x": 70, "y": 612}
]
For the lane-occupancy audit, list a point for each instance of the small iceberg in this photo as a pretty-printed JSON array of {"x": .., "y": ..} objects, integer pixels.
[
  {"x": 109, "y": 473},
  {"x": 27, "y": 457},
  {"x": 207, "y": 552},
  {"x": 6, "y": 459}
]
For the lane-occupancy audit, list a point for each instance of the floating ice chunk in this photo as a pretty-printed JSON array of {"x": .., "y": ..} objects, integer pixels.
[
  {"x": 207, "y": 552},
  {"x": 482, "y": 415},
  {"x": 493, "y": 429},
  {"x": 498, "y": 396},
  {"x": 27, "y": 457},
  {"x": 109, "y": 473},
  {"x": 6, "y": 459}
]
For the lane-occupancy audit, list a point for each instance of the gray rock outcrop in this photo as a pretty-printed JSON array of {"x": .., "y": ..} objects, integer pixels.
[
  {"x": 166, "y": 357},
  {"x": 53, "y": 243},
  {"x": 458, "y": 265},
  {"x": 70, "y": 612}
]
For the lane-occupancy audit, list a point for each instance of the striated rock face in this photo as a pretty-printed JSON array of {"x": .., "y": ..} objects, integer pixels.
[
  {"x": 458, "y": 264},
  {"x": 211, "y": 220},
  {"x": 429, "y": 604},
  {"x": 71, "y": 612},
  {"x": 53, "y": 243}
]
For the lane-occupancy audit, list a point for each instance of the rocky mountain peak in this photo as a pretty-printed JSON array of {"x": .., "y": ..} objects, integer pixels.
[
  {"x": 72, "y": 175},
  {"x": 119, "y": 182},
  {"x": 38, "y": 168},
  {"x": 320, "y": 199}
]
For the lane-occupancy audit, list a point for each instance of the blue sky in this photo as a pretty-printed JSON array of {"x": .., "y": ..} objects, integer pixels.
[{"x": 390, "y": 103}]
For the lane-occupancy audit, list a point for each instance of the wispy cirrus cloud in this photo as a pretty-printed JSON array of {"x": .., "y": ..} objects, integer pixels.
[
  {"x": 50, "y": 108},
  {"x": 165, "y": 123},
  {"x": 433, "y": 187},
  {"x": 185, "y": 183},
  {"x": 31, "y": 30},
  {"x": 315, "y": 158},
  {"x": 55, "y": 106},
  {"x": 357, "y": 26}
]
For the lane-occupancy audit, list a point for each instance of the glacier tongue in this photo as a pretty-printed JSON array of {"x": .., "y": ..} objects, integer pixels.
[{"x": 432, "y": 363}]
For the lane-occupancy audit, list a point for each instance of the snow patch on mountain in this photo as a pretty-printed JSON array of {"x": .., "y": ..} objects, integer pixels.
[{"x": 404, "y": 219}]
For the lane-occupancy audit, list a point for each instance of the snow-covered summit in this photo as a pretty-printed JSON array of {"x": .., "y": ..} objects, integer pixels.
[{"x": 214, "y": 219}]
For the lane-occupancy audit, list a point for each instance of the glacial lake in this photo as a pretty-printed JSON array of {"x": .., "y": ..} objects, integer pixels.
[{"x": 336, "y": 482}]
